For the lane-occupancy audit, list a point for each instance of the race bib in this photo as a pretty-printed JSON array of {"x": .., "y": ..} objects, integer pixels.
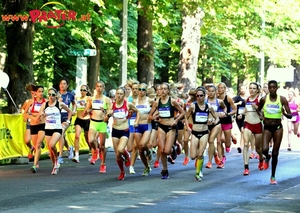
[
  {"x": 51, "y": 123},
  {"x": 164, "y": 112},
  {"x": 119, "y": 113},
  {"x": 272, "y": 109},
  {"x": 201, "y": 117},
  {"x": 241, "y": 110},
  {"x": 131, "y": 122},
  {"x": 37, "y": 107},
  {"x": 97, "y": 104},
  {"x": 249, "y": 107}
]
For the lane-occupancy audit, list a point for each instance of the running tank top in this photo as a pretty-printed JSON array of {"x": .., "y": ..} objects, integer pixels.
[
  {"x": 165, "y": 110},
  {"x": 144, "y": 108},
  {"x": 249, "y": 104},
  {"x": 36, "y": 106},
  {"x": 293, "y": 106},
  {"x": 272, "y": 110},
  {"x": 81, "y": 103},
  {"x": 228, "y": 119},
  {"x": 200, "y": 116},
  {"x": 53, "y": 116},
  {"x": 216, "y": 106},
  {"x": 120, "y": 112},
  {"x": 67, "y": 98},
  {"x": 98, "y": 104}
]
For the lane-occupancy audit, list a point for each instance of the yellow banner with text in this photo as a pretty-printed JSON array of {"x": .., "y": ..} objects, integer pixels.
[{"x": 12, "y": 131}]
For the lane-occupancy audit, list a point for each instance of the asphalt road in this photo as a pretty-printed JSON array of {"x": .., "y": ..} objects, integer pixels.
[{"x": 81, "y": 188}]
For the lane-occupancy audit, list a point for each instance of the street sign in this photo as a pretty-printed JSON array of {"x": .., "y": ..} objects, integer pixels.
[{"x": 83, "y": 52}]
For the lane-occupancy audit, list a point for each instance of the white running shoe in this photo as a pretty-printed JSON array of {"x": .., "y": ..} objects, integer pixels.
[
  {"x": 131, "y": 170},
  {"x": 76, "y": 159}
]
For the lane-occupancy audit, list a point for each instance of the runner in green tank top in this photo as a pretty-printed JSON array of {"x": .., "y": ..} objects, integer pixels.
[{"x": 273, "y": 106}]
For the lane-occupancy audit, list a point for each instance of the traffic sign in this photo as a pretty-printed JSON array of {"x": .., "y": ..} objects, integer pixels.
[{"x": 83, "y": 52}]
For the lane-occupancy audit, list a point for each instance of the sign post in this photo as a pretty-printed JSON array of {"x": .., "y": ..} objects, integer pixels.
[{"x": 81, "y": 65}]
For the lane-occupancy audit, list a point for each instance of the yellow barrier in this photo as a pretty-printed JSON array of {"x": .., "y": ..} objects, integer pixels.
[{"x": 12, "y": 129}]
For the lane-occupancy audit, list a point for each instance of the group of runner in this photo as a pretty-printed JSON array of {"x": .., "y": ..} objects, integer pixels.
[{"x": 144, "y": 118}]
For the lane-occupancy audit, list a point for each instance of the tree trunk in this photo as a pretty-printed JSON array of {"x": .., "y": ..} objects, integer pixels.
[
  {"x": 190, "y": 46},
  {"x": 19, "y": 62},
  {"x": 94, "y": 61},
  {"x": 145, "y": 63}
]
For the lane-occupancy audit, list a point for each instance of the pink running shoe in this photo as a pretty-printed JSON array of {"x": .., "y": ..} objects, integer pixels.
[
  {"x": 156, "y": 164},
  {"x": 273, "y": 181},
  {"x": 246, "y": 172},
  {"x": 102, "y": 169},
  {"x": 223, "y": 160},
  {"x": 186, "y": 161},
  {"x": 228, "y": 149}
]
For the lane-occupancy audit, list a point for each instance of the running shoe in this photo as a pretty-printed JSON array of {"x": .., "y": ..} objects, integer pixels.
[
  {"x": 93, "y": 161},
  {"x": 289, "y": 148},
  {"x": 198, "y": 178},
  {"x": 90, "y": 157},
  {"x": 178, "y": 149},
  {"x": 208, "y": 165},
  {"x": 217, "y": 160},
  {"x": 71, "y": 152},
  {"x": 233, "y": 139},
  {"x": 164, "y": 174},
  {"x": 227, "y": 149},
  {"x": 33, "y": 169},
  {"x": 54, "y": 171},
  {"x": 270, "y": 150},
  {"x": 156, "y": 164},
  {"x": 75, "y": 159},
  {"x": 266, "y": 164},
  {"x": 298, "y": 135},
  {"x": 150, "y": 157},
  {"x": 261, "y": 165},
  {"x": 131, "y": 170},
  {"x": 251, "y": 156},
  {"x": 223, "y": 160},
  {"x": 146, "y": 171},
  {"x": 273, "y": 181},
  {"x": 102, "y": 169},
  {"x": 127, "y": 158},
  {"x": 95, "y": 157},
  {"x": 30, "y": 156},
  {"x": 239, "y": 150},
  {"x": 246, "y": 172},
  {"x": 221, "y": 166},
  {"x": 122, "y": 175},
  {"x": 201, "y": 174},
  {"x": 174, "y": 153},
  {"x": 60, "y": 159},
  {"x": 170, "y": 160},
  {"x": 186, "y": 161}
]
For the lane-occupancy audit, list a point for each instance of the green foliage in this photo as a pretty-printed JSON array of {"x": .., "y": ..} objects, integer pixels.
[{"x": 233, "y": 34}]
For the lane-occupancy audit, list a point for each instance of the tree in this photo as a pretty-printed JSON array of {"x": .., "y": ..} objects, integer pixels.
[
  {"x": 19, "y": 62},
  {"x": 145, "y": 63},
  {"x": 190, "y": 46}
]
